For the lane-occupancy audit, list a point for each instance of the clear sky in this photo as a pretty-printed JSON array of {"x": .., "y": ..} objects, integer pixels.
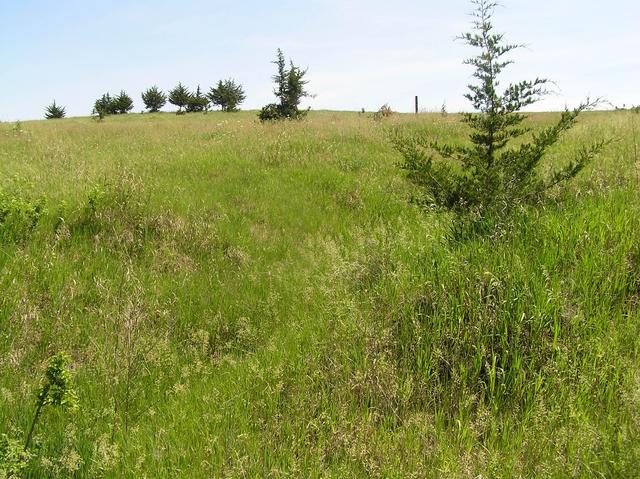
[{"x": 360, "y": 53}]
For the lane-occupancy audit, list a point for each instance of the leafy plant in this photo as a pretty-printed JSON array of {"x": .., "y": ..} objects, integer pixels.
[
  {"x": 290, "y": 89},
  {"x": 154, "y": 99},
  {"x": 57, "y": 390},
  {"x": 54, "y": 111},
  {"x": 14, "y": 459},
  {"x": 18, "y": 216},
  {"x": 197, "y": 102},
  {"x": 227, "y": 95},
  {"x": 491, "y": 175},
  {"x": 179, "y": 96}
]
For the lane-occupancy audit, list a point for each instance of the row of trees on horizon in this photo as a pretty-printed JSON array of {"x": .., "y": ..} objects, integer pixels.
[{"x": 228, "y": 95}]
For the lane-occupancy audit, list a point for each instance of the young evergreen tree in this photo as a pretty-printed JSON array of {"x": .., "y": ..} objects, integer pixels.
[
  {"x": 290, "y": 89},
  {"x": 280, "y": 78},
  {"x": 54, "y": 111},
  {"x": 179, "y": 97},
  {"x": 154, "y": 99},
  {"x": 294, "y": 92},
  {"x": 122, "y": 104},
  {"x": 493, "y": 174},
  {"x": 105, "y": 105},
  {"x": 197, "y": 102},
  {"x": 227, "y": 95}
]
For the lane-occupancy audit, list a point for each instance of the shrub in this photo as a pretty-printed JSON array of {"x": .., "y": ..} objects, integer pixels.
[
  {"x": 270, "y": 112},
  {"x": 384, "y": 111},
  {"x": 491, "y": 176},
  {"x": 227, "y": 95},
  {"x": 154, "y": 99},
  {"x": 179, "y": 97},
  {"x": 54, "y": 111},
  {"x": 123, "y": 103},
  {"x": 289, "y": 90},
  {"x": 197, "y": 102}
]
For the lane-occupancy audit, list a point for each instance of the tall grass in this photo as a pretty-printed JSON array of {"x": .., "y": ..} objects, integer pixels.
[{"x": 248, "y": 300}]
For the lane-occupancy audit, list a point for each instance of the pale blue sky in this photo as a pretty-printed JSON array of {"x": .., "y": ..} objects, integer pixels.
[{"x": 360, "y": 53}]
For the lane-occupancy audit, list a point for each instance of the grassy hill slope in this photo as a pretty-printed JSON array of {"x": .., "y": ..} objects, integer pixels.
[{"x": 248, "y": 300}]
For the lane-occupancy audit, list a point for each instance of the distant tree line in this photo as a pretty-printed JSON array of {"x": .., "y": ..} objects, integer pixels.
[{"x": 228, "y": 95}]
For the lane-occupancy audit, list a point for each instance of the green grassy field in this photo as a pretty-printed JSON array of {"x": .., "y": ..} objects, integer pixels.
[{"x": 248, "y": 300}]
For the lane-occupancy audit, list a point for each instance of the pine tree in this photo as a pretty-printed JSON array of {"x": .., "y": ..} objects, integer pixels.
[
  {"x": 54, "y": 111},
  {"x": 289, "y": 90},
  {"x": 280, "y": 78},
  {"x": 154, "y": 99},
  {"x": 108, "y": 105},
  {"x": 179, "y": 97},
  {"x": 492, "y": 175},
  {"x": 122, "y": 104},
  {"x": 294, "y": 92},
  {"x": 103, "y": 106},
  {"x": 227, "y": 95},
  {"x": 197, "y": 102}
]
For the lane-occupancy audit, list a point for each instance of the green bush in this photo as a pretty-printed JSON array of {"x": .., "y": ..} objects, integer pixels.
[
  {"x": 270, "y": 112},
  {"x": 14, "y": 459}
]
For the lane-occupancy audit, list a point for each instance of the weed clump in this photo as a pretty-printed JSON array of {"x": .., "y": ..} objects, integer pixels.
[
  {"x": 115, "y": 212},
  {"x": 19, "y": 216},
  {"x": 384, "y": 111},
  {"x": 14, "y": 459}
]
